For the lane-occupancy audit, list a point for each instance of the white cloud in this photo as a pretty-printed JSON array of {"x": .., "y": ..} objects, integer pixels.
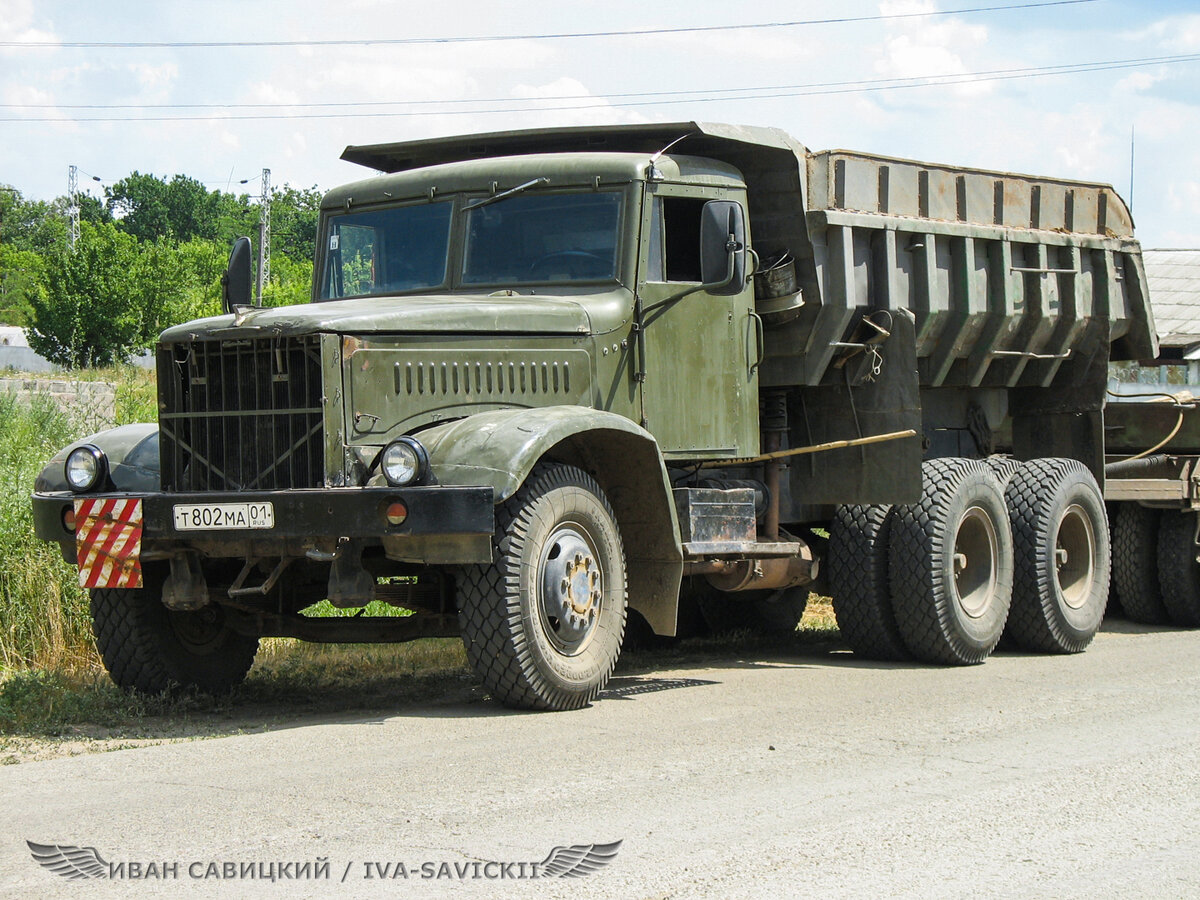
[
  {"x": 920, "y": 48},
  {"x": 297, "y": 145},
  {"x": 155, "y": 79},
  {"x": 1179, "y": 33},
  {"x": 1070, "y": 126},
  {"x": 1138, "y": 82},
  {"x": 16, "y": 24}
]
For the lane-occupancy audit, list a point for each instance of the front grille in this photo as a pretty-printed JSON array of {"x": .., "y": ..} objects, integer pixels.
[{"x": 241, "y": 415}]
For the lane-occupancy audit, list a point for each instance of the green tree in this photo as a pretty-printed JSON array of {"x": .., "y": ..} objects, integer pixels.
[
  {"x": 105, "y": 300},
  {"x": 294, "y": 213},
  {"x": 34, "y": 225},
  {"x": 291, "y": 282},
  {"x": 151, "y": 208},
  {"x": 200, "y": 265},
  {"x": 21, "y": 277}
]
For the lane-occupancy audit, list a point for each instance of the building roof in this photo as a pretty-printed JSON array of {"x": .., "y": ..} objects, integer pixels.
[{"x": 1174, "y": 280}]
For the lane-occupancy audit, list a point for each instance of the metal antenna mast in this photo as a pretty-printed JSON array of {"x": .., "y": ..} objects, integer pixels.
[
  {"x": 72, "y": 207},
  {"x": 264, "y": 235},
  {"x": 1132, "y": 139}
]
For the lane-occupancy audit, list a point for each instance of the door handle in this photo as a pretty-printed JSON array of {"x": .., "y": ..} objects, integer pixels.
[{"x": 759, "y": 343}]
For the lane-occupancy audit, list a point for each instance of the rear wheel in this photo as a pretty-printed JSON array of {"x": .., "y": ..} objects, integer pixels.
[
  {"x": 1178, "y": 571},
  {"x": 858, "y": 580},
  {"x": 951, "y": 562},
  {"x": 1135, "y": 563},
  {"x": 543, "y": 624},
  {"x": 1060, "y": 541},
  {"x": 149, "y": 648}
]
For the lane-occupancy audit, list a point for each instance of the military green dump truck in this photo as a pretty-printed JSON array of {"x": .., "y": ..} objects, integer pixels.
[{"x": 553, "y": 384}]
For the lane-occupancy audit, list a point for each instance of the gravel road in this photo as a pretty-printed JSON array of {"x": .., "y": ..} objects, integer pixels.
[{"x": 806, "y": 774}]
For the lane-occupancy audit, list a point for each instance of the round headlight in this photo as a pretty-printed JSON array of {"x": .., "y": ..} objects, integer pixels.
[
  {"x": 86, "y": 467},
  {"x": 403, "y": 461}
]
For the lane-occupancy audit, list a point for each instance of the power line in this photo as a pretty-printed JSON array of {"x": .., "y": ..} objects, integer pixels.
[
  {"x": 735, "y": 92},
  {"x": 476, "y": 39},
  {"x": 754, "y": 93}
]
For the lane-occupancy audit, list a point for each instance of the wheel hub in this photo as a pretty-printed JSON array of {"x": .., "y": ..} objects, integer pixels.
[
  {"x": 1074, "y": 556},
  {"x": 571, "y": 588},
  {"x": 199, "y": 630},
  {"x": 974, "y": 562}
]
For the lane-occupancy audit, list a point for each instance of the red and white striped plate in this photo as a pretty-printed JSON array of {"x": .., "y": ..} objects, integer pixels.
[{"x": 108, "y": 541}]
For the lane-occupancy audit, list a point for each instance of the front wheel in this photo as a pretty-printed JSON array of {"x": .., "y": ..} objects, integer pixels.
[
  {"x": 149, "y": 648},
  {"x": 543, "y": 624}
]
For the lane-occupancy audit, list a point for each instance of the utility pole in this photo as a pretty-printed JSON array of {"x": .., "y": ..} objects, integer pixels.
[
  {"x": 72, "y": 207},
  {"x": 264, "y": 235},
  {"x": 1132, "y": 142}
]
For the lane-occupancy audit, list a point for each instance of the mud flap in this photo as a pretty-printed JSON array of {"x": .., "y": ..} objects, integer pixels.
[{"x": 108, "y": 543}]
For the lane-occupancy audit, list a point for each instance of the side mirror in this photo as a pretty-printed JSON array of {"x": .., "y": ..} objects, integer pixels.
[
  {"x": 723, "y": 248},
  {"x": 237, "y": 284}
]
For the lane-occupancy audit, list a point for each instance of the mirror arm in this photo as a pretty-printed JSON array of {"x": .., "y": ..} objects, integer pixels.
[{"x": 732, "y": 247}]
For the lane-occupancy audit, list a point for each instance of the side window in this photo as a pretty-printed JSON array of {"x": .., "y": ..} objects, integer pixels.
[
  {"x": 354, "y": 271},
  {"x": 675, "y": 239}
]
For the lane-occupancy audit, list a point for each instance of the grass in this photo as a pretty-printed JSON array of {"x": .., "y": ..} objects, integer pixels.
[
  {"x": 289, "y": 678},
  {"x": 43, "y": 612},
  {"x": 44, "y": 621},
  {"x": 52, "y": 682}
]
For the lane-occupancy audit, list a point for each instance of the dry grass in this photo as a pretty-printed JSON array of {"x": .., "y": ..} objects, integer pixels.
[{"x": 818, "y": 616}]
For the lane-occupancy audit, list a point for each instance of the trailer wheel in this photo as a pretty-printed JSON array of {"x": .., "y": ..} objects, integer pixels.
[
  {"x": 1061, "y": 550},
  {"x": 1178, "y": 571},
  {"x": 1135, "y": 563},
  {"x": 858, "y": 580},
  {"x": 951, "y": 564},
  {"x": 543, "y": 624},
  {"x": 149, "y": 648}
]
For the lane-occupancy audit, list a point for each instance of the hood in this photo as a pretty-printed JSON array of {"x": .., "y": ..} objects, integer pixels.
[{"x": 441, "y": 313}]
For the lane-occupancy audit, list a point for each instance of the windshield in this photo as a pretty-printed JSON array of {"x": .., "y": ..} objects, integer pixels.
[
  {"x": 538, "y": 238},
  {"x": 387, "y": 251}
]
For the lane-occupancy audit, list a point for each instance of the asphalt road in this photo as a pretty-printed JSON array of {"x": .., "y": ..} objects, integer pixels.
[{"x": 804, "y": 775}]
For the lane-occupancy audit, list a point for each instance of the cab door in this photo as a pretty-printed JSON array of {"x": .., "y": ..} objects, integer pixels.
[{"x": 700, "y": 393}]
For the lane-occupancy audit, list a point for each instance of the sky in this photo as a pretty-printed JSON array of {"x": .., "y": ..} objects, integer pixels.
[{"x": 896, "y": 83}]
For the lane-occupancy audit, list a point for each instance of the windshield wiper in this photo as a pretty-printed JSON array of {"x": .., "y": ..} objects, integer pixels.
[{"x": 504, "y": 195}]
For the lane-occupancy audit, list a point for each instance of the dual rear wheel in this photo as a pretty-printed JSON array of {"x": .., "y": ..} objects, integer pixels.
[{"x": 991, "y": 548}]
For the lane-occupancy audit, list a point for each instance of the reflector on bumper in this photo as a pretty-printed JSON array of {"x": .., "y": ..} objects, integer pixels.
[{"x": 108, "y": 542}]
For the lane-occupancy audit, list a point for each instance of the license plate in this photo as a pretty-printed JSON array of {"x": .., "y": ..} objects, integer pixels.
[{"x": 223, "y": 516}]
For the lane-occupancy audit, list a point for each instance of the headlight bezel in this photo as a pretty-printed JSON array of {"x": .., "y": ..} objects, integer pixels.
[
  {"x": 414, "y": 453},
  {"x": 99, "y": 468}
]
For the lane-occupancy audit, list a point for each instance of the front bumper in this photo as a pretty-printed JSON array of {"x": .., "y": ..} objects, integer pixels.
[{"x": 445, "y": 524}]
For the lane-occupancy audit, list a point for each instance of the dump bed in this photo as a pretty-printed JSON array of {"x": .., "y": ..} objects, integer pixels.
[
  {"x": 1013, "y": 280},
  {"x": 1008, "y": 276}
]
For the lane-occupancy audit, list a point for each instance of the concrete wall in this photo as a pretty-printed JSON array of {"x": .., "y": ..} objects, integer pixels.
[{"x": 92, "y": 403}]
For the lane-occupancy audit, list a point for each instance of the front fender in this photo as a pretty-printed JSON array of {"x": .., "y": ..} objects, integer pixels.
[
  {"x": 501, "y": 448},
  {"x": 133, "y": 465}
]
